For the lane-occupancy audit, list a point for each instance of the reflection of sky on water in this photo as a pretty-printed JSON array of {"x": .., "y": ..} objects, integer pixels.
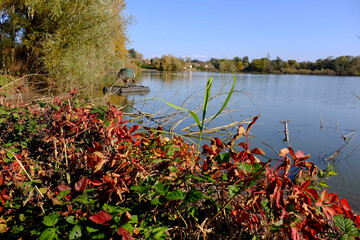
[{"x": 301, "y": 99}]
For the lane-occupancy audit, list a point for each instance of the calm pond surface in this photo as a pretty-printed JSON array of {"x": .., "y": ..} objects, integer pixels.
[{"x": 319, "y": 111}]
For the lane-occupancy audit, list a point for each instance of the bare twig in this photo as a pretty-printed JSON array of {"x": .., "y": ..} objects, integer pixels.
[
  {"x": 286, "y": 131},
  {"x": 17, "y": 80},
  {"x": 321, "y": 122},
  {"x": 271, "y": 147},
  {"x": 337, "y": 152},
  {"x": 216, "y": 129}
]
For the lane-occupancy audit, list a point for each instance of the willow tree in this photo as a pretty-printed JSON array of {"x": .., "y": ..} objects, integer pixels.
[{"x": 73, "y": 41}]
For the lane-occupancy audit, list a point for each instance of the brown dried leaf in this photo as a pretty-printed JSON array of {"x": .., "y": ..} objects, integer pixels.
[
  {"x": 99, "y": 166},
  {"x": 284, "y": 152},
  {"x": 257, "y": 151},
  {"x": 99, "y": 154}
]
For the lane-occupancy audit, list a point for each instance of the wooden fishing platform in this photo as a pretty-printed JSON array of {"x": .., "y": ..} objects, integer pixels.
[{"x": 127, "y": 89}]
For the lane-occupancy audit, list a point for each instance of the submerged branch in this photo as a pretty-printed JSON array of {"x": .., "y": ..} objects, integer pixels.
[{"x": 337, "y": 152}]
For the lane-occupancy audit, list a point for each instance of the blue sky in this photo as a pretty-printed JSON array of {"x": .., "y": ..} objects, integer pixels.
[{"x": 304, "y": 30}]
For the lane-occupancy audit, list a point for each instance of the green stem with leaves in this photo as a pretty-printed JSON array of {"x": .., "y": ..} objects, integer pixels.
[{"x": 201, "y": 123}]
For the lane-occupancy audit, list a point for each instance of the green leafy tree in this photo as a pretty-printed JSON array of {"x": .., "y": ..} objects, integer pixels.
[
  {"x": 239, "y": 66},
  {"x": 260, "y": 65},
  {"x": 292, "y": 63},
  {"x": 156, "y": 62},
  {"x": 132, "y": 53},
  {"x": 278, "y": 64}
]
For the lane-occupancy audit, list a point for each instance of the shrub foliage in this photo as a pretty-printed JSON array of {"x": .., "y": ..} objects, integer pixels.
[{"x": 71, "y": 171}]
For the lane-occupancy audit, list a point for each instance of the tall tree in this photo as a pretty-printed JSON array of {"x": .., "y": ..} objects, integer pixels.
[{"x": 71, "y": 40}]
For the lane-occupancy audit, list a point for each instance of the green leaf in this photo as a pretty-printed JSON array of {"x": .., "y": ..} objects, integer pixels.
[
  {"x": 206, "y": 100},
  {"x": 346, "y": 225},
  {"x": 277, "y": 226},
  {"x": 175, "y": 195},
  {"x": 10, "y": 155},
  {"x": 22, "y": 217},
  {"x": 140, "y": 189},
  {"x": 226, "y": 100},
  {"x": 246, "y": 167},
  {"x": 17, "y": 229},
  {"x": 195, "y": 117},
  {"x": 41, "y": 104},
  {"x": 6, "y": 160},
  {"x": 222, "y": 157},
  {"x": 3, "y": 112},
  {"x": 114, "y": 209},
  {"x": 332, "y": 173},
  {"x": 159, "y": 188},
  {"x": 193, "y": 211},
  {"x": 256, "y": 167},
  {"x": 51, "y": 219},
  {"x": 48, "y": 234},
  {"x": 232, "y": 190},
  {"x": 158, "y": 200},
  {"x": 172, "y": 169},
  {"x": 158, "y": 232},
  {"x": 321, "y": 174},
  {"x": 98, "y": 236},
  {"x": 91, "y": 229},
  {"x": 346, "y": 237},
  {"x": 155, "y": 201},
  {"x": 194, "y": 196},
  {"x": 75, "y": 232},
  {"x": 323, "y": 184},
  {"x": 2, "y": 120},
  {"x": 331, "y": 170},
  {"x": 224, "y": 177},
  {"x": 72, "y": 220},
  {"x": 134, "y": 219},
  {"x": 63, "y": 193}
]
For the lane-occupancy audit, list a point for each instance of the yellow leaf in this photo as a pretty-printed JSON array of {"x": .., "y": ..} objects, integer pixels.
[
  {"x": 56, "y": 201},
  {"x": 43, "y": 190},
  {"x": 3, "y": 228}
]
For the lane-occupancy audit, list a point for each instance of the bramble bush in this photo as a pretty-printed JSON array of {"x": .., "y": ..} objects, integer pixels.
[{"x": 84, "y": 172}]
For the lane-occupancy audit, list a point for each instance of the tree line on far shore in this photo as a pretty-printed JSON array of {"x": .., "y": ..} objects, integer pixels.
[{"x": 342, "y": 66}]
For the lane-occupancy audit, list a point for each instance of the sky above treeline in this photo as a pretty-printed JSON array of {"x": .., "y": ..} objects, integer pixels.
[{"x": 304, "y": 30}]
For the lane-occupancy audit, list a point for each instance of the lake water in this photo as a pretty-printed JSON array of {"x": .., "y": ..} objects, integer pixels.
[{"x": 319, "y": 111}]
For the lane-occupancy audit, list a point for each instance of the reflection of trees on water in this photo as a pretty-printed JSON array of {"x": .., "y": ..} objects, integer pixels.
[
  {"x": 171, "y": 76},
  {"x": 120, "y": 100}
]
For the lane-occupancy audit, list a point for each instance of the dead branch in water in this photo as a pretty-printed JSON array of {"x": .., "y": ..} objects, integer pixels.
[
  {"x": 217, "y": 129},
  {"x": 337, "y": 152},
  {"x": 286, "y": 131}
]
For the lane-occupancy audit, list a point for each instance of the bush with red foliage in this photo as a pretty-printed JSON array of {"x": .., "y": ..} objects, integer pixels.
[{"x": 69, "y": 171}]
